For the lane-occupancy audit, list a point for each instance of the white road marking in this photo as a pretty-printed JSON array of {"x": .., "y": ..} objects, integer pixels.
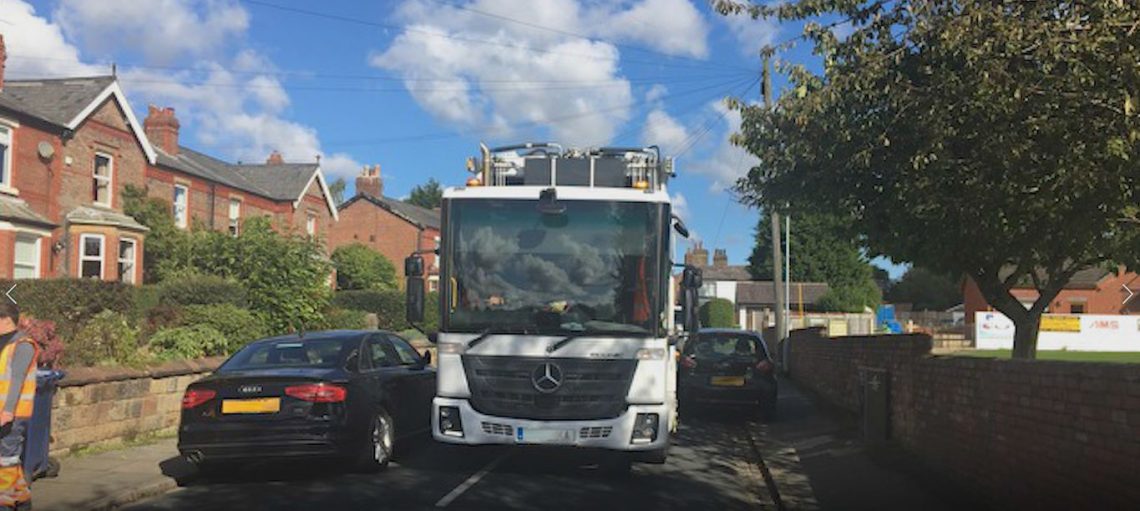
[{"x": 471, "y": 481}]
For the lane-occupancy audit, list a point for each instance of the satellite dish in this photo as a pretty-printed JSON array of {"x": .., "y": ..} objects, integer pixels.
[{"x": 46, "y": 150}]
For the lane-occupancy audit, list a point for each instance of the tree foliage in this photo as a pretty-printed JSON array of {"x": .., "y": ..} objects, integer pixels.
[
  {"x": 718, "y": 313},
  {"x": 336, "y": 190},
  {"x": 359, "y": 267},
  {"x": 993, "y": 139},
  {"x": 165, "y": 241},
  {"x": 823, "y": 249},
  {"x": 428, "y": 195},
  {"x": 926, "y": 290}
]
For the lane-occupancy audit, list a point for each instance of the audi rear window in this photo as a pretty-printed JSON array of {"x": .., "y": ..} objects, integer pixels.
[{"x": 320, "y": 353}]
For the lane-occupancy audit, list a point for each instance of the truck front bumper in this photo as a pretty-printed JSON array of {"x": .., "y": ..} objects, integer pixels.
[{"x": 612, "y": 434}]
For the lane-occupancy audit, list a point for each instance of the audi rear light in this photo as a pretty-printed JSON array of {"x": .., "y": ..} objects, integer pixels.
[
  {"x": 317, "y": 392},
  {"x": 194, "y": 397},
  {"x": 765, "y": 366},
  {"x": 689, "y": 362}
]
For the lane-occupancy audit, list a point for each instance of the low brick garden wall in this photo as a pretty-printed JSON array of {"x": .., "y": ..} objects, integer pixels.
[
  {"x": 99, "y": 405},
  {"x": 1022, "y": 434}
]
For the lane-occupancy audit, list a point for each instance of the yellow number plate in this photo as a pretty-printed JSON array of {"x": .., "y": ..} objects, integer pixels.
[
  {"x": 728, "y": 381},
  {"x": 266, "y": 405}
]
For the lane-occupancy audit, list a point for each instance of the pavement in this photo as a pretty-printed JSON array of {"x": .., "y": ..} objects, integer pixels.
[{"x": 807, "y": 459}]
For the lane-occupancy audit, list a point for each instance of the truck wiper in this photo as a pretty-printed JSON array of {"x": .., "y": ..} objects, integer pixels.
[
  {"x": 594, "y": 333},
  {"x": 488, "y": 332}
]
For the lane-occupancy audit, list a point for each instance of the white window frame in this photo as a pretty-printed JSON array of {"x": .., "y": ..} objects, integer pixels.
[
  {"x": 110, "y": 178},
  {"x": 311, "y": 224},
  {"x": 39, "y": 254},
  {"x": 83, "y": 257},
  {"x": 134, "y": 260},
  {"x": 184, "y": 221},
  {"x": 7, "y": 137},
  {"x": 235, "y": 215}
]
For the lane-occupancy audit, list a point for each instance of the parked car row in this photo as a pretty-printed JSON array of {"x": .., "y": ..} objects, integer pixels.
[{"x": 353, "y": 394}]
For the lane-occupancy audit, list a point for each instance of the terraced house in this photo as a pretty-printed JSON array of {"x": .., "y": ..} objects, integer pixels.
[{"x": 68, "y": 149}]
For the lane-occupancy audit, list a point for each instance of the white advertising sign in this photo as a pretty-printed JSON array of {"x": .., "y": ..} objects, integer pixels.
[{"x": 992, "y": 331}]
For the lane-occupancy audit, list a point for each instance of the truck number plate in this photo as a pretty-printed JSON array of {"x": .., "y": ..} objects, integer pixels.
[{"x": 544, "y": 436}]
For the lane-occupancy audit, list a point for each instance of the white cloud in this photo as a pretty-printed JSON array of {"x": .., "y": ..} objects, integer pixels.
[
  {"x": 752, "y": 34},
  {"x": 160, "y": 30},
  {"x": 655, "y": 93},
  {"x": 663, "y": 130},
  {"x": 726, "y": 163},
  {"x": 37, "y": 48},
  {"x": 523, "y": 81}
]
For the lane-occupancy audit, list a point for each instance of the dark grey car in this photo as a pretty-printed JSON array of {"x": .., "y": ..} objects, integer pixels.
[{"x": 727, "y": 367}]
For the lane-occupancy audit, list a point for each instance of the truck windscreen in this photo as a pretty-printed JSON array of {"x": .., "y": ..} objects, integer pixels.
[{"x": 599, "y": 266}]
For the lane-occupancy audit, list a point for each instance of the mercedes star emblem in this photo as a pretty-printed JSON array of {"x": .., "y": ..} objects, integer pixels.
[{"x": 546, "y": 378}]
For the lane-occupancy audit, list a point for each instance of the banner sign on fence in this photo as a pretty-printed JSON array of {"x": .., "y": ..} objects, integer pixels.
[
  {"x": 1084, "y": 332},
  {"x": 1050, "y": 323}
]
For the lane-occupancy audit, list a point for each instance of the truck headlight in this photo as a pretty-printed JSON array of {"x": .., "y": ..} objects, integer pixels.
[
  {"x": 644, "y": 428},
  {"x": 651, "y": 354},
  {"x": 450, "y": 423}
]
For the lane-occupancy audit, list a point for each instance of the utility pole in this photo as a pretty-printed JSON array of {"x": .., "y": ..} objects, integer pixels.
[{"x": 777, "y": 252}]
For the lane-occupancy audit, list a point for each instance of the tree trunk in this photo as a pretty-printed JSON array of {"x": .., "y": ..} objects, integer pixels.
[{"x": 1025, "y": 329}]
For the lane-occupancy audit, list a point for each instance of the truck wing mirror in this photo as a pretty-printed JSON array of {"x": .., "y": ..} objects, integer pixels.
[
  {"x": 414, "y": 289},
  {"x": 679, "y": 226}
]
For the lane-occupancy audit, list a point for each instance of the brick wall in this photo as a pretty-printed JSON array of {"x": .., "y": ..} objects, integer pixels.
[
  {"x": 160, "y": 183},
  {"x": 1023, "y": 434},
  {"x": 102, "y": 405},
  {"x": 377, "y": 228}
]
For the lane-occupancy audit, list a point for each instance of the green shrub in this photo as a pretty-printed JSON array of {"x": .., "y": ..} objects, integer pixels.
[
  {"x": 195, "y": 289},
  {"x": 238, "y": 326},
  {"x": 360, "y": 267},
  {"x": 388, "y": 305},
  {"x": 718, "y": 313},
  {"x": 187, "y": 342},
  {"x": 146, "y": 299},
  {"x": 69, "y": 302},
  {"x": 107, "y": 338},
  {"x": 344, "y": 319},
  {"x": 160, "y": 317}
]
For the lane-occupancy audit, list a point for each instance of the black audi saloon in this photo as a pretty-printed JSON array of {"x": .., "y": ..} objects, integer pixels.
[
  {"x": 343, "y": 394},
  {"x": 727, "y": 367}
]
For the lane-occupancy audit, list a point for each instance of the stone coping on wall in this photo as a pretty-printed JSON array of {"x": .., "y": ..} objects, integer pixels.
[{"x": 79, "y": 376}]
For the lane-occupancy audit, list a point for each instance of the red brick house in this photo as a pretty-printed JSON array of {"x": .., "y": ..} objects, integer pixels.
[
  {"x": 1090, "y": 291},
  {"x": 220, "y": 195},
  {"x": 68, "y": 147},
  {"x": 389, "y": 226}
]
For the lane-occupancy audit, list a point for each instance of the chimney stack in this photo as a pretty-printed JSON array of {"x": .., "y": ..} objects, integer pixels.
[
  {"x": 275, "y": 158},
  {"x": 3, "y": 60},
  {"x": 161, "y": 127},
  {"x": 369, "y": 182},
  {"x": 720, "y": 258},
  {"x": 697, "y": 256}
]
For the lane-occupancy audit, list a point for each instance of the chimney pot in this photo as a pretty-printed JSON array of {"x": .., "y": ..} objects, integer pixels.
[
  {"x": 369, "y": 182},
  {"x": 275, "y": 158},
  {"x": 161, "y": 128}
]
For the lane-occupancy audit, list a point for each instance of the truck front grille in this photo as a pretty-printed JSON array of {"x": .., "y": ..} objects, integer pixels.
[{"x": 587, "y": 390}]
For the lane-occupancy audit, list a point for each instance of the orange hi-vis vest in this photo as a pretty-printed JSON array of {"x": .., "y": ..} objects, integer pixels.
[{"x": 27, "y": 387}]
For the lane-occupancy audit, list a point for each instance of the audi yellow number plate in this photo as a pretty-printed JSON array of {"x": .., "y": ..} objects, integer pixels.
[
  {"x": 266, "y": 405},
  {"x": 728, "y": 381}
]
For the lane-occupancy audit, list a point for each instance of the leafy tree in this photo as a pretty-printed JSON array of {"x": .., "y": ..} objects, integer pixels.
[
  {"x": 336, "y": 189},
  {"x": 165, "y": 241},
  {"x": 718, "y": 313},
  {"x": 993, "y": 139},
  {"x": 285, "y": 274},
  {"x": 925, "y": 289},
  {"x": 823, "y": 249},
  {"x": 428, "y": 195},
  {"x": 360, "y": 267}
]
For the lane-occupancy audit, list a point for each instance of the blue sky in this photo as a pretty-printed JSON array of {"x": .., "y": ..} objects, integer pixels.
[{"x": 414, "y": 85}]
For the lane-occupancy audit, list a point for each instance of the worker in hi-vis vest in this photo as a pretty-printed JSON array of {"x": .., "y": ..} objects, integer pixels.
[{"x": 18, "y": 354}]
